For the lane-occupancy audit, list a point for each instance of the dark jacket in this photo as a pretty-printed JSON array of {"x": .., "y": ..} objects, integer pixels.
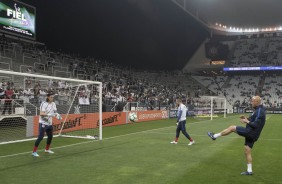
[{"x": 257, "y": 121}]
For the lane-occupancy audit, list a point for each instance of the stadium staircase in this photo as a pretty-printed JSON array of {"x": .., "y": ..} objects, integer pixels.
[
  {"x": 260, "y": 85},
  {"x": 227, "y": 82},
  {"x": 231, "y": 54}
]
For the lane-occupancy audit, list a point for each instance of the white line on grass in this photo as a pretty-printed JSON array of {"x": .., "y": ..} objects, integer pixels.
[{"x": 29, "y": 152}]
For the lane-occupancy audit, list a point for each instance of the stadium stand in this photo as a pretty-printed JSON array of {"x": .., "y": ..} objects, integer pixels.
[
  {"x": 236, "y": 89},
  {"x": 257, "y": 52},
  {"x": 120, "y": 84},
  {"x": 151, "y": 89},
  {"x": 271, "y": 92}
]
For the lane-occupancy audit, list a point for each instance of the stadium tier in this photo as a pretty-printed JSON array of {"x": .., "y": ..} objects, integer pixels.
[
  {"x": 257, "y": 52},
  {"x": 150, "y": 89},
  {"x": 120, "y": 84}
]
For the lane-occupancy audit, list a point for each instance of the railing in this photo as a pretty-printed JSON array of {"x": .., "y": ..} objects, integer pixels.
[
  {"x": 114, "y": 108},
  {"x": 68, "y": 60},
  {"x": 36, "y": 108},
  {"x": 30, "y": 60},
  {"x": 9, "y": 53},
  {"x": 5, "y": 66},
  {"x": 13, "y": 107},
  {"x": 59, "y": 73},
  {"x": 83, "y": 76},
  {"x": 46, "y": 59},
  {"x": 27, "y": 53},
  {"x": 7, "y": 60},
  {"x": 7, "y": 77},
  {"x": 18, "y": 107},
  {"x": 129, "y": 106},
  {"x": 59, "y": 68},
  {"x": 57, "y": 64}
]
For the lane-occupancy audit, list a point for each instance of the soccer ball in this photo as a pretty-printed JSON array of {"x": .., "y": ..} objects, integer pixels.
[
  {"x": 90, "y": 137},
  {"x": 132, "y": 117}
]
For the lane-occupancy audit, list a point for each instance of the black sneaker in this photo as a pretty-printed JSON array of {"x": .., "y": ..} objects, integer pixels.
[
  {"x": 211, "y": 135},
  {"x": 247, "y": 173}
]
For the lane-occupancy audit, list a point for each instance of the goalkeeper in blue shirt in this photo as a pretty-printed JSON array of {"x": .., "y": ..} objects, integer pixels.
[
  {"x": 181, "y": 123},
  {"x": 48, "y": 110}
]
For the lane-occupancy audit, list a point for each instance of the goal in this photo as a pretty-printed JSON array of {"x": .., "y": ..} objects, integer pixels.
[
  {"x": 79, "y": 102},
  {"x": 210, "y": 107}
]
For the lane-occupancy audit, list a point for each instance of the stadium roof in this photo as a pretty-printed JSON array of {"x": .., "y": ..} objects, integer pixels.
[{"x": 250, "y": 14}]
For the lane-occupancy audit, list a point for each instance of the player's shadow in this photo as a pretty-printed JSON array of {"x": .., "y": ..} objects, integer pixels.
[{"x": 38, "y": 161}]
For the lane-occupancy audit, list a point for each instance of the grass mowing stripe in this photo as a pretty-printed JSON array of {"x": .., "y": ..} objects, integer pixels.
[
  {"x": 28, "y": 152},
  {"x": 149, "y": 158},
  {"x": 230, "y": 137},
  {"x": 60, "y": 147},
  {"x": 23, "y": 153}
]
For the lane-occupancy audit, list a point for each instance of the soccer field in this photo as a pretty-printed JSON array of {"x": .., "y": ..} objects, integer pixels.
[{"x": 142, "y": 153}]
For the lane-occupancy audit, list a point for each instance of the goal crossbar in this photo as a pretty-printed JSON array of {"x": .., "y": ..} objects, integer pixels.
[
  {"x": 86, "y": 82},
  {"x": 48, "y": 77}
]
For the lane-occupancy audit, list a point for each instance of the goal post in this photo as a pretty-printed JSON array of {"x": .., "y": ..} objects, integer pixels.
[
  {"x": 210, "y": 107},
  {"x": 78, "y": 101}
]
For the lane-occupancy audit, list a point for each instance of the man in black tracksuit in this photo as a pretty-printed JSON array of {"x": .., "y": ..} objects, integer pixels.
[{"x": 254, "y": 126}]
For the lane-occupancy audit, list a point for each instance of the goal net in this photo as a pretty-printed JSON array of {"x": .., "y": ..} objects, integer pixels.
[
  {"x": 209, "y": 107},
  {"x": 79, "y": 102}
]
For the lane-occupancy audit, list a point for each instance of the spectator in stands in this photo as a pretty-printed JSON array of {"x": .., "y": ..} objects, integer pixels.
[
  {"x": 26, "y": 94},
  {"x": 50, "y": 83},
  {"x": 51, "y": 62},
  {"x": 61, "y": 84},
  {"x": 2, "y": 93},
  {"x": 42, "y": 96},
  {"x": 37, "y": 88},
  {"x": 120, "y": 98},
  {"x": 8, "y": 101},
  {"x": 28, "y": 82},
  {"x": 16, "y": 93},
  {"x": 74, "y": 69},
  {"x": 84, "y": 96},
  {"x": 3, "y": 84}
]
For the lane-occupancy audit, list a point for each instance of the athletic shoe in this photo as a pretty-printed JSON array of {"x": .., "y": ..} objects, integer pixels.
[
  {"x": 49, "y": 151},
  {"x": 211, "y": 135},
  {"x": 191, "y": 143},
  {"x": 247, "y": 173},
  {"x": 173, "y": 142},
  {"x": 35, "y": 154}
]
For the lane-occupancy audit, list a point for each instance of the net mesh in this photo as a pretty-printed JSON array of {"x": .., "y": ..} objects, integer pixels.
[
  {"x": 206, "y": 106},
  {"x": 77, "y": 101},
  {"x": 81, "y": 115}
]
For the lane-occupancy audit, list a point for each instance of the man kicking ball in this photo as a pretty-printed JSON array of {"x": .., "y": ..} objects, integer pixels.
[
  {"x": 254, "y": 126},
  {"x": 181, "y": 123}
]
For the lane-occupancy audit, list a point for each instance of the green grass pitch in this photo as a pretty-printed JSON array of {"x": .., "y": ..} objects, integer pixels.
[{"x": 141, "y": 153}]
